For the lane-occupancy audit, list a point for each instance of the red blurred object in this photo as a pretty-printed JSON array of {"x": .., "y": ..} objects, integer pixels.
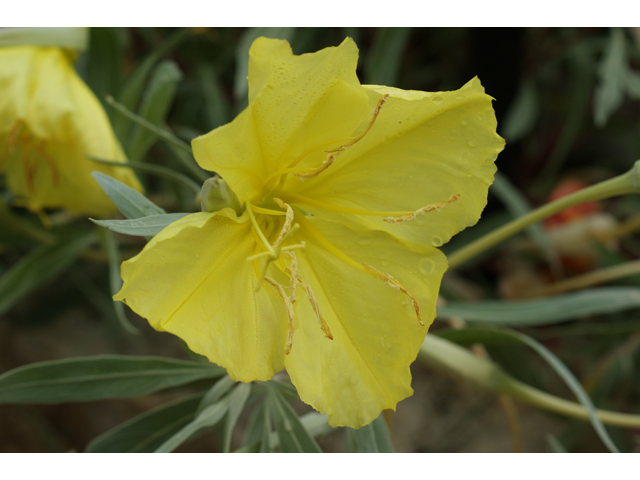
[{"x": 565, "y": 187}]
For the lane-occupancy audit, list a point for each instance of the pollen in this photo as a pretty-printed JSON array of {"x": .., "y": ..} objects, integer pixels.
[
  {"x": 316, "y": 308},
  {"x": 422, "y": 211},
  {"x": 337, "y": 151},
  {"x": 393, "y": 283},
  {"x": 287, "y": 222},
  {"x": 290, "y": 314}
]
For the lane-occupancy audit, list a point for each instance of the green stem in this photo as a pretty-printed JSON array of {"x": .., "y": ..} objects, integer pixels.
[
  {"x": 162, "y": 133},
  {"x": 15, "y": 223},
  {"x": 460, "y": 363},
  {"x": 626, "y": 183}
]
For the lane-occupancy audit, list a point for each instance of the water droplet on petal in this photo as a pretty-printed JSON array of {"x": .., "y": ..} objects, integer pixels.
[
  {"x": 473, "y": 142},
  {"x": 384, "y": 261},
  {"x": 437, "y": 99},
  {"x": 364, "y": 240},
  {"x": 436, "y": 241},
  {"x": 426, "y": 266},
  {"x": 464, "y": 122}
]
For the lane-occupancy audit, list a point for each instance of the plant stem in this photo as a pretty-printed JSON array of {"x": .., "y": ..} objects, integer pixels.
[
  {"x": 162, "y": 133},
  {"x": 460, "y": 363},
  {"x": 621, "y": 185}
]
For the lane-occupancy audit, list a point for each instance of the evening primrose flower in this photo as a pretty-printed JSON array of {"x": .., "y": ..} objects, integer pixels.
[
  {"x": 322, "y": 260},
  {"x": 49, "y": 121}
]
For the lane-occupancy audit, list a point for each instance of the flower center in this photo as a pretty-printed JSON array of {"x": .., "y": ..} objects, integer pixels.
[
  {"x": 268, "y": 223},
  {"x": 22, "y": 145}
]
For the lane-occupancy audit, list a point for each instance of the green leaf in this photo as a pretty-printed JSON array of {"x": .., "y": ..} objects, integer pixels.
[
  {"x": 131, "y": 203},
  {"x": 132, "y": 89},
  {"x": 240, "y": 84},
  {"x": 102, "y": 376},
  {"x": 315, "y": 423},
  {"x": 146, "y": 432},
  {"x": 293, "y": 436},
  {"x": 518, "y": 206},
  {"x": 546, "y": 311},
  {"x": 115, "y": 281},
  {"x": 39, "y": 266},
  {"x": 157, "y": 101},
  {"x": 373, "y": 438},
  {"x": 207, "y": 418},
  {"x": 522, "y": 114},
  {"x": 572, "y": 382},
  {"x": 215, "y": 102},
  {"x": 237, "y": 401},
  {"x": 144, "y": 226},
  {"x": 510, "y": 336},
  {"x": 555, "y": 445},
  {"x": 216, "y": 392},
  {"x": 159, "y": 170},
  {"x": 105, "y": 59},
  {"x": 612, "y": 73},
  {"x": 385, "y": 56}
]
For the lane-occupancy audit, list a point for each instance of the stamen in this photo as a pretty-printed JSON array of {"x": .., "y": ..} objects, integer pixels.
[
  {"x": 331, "y": 158},
  {"x": 292, "y": 270},
  {"x": 314, "y": 173},
  {"x": 289, "y": 309},
  {"x": 374, "y": 113},
  {"x": 392, "y": 282},
  {"x": 316, "y": 308},
  {"x": 31, "y": 151},
  {"x": 48, "y": 160},
  {"x": 422, "y": 211},
  {"x": 287, "y": 222},
  {"x": 267, "y": 211},
  {"x": 298, "y": 246}
]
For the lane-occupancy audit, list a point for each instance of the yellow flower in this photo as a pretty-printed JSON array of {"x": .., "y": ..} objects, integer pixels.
[
  {"x": 327, "y": 264},
  {"x": 49, "y": 121}
]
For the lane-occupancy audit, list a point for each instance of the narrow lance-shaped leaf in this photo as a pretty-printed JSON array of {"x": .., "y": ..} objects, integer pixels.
[
  {"x": 146, "y": 432},
  {"x": 238, "y": 400},
  {"x": 144, "y": 226},
  {"x": 385, "y": 57},
  {"x": 157, "y": 101},
  {"x": 373, "y": 438},
  {"x": 207, "y": 418},
  {"x": 132, "y": 89},
  {"x": 98, "y": 377},
  {"x": 39, "y": 266},
  {"x": 132, "y": 204},
  {"x": 597, "y": 301},
  {"x": 293, "y": 436}
]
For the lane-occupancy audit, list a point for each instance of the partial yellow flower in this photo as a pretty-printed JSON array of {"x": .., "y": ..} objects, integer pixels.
[
  {"x": 49, "y": 121},
  {"x": 326, "y": 264}
]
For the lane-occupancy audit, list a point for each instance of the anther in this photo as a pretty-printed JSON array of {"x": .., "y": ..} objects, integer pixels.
[
  {"x": 316, "y": 308},
  {"x": 337, "y": 151},
  {"x": 289, "y": 309},
  {"x": 292, "y": 270},
  {"x": 392, "y": 282},
  {"x": 422, "y": 211},
  {"x": 287, "y": 221}
]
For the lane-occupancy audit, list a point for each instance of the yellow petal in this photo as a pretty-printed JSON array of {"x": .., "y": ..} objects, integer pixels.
[
  {"x": 49, "y": 121},
  {"x": 422, "y": 149},
  {"x": 296, "y": 103},
  {"x": 193, "y": 280},
  {"x": 376, "y": 334}
]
